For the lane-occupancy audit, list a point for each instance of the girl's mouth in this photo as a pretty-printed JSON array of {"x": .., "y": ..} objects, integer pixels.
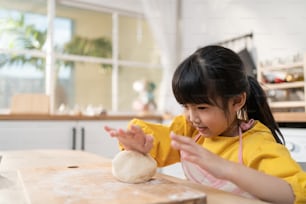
[{"x": 201, "y": 129}]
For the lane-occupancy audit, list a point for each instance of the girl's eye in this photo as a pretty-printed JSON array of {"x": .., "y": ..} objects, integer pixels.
[
  {"x": 201, "y": 107},
  {"x": 185, "y": 107}
]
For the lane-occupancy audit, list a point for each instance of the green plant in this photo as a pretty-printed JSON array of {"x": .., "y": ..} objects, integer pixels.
[
  {"x": 22, "y": 36},
  {"x": 98, "y": 47},
  {"x": 18, "y": 35}
]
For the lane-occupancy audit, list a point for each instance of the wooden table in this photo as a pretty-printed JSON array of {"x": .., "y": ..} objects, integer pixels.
[{"x": 42, "y": 176}]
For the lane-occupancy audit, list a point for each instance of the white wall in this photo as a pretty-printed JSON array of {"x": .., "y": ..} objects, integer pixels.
[
  {"x": 129, "y": 6},
  {"x": 278, "y": 26}
]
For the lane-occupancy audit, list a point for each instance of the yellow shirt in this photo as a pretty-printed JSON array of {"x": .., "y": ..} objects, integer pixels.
[{"x": 260, "y": 151}]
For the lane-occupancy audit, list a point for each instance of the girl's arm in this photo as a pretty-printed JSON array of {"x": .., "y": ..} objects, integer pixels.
[{"x": 263, "y": 186}]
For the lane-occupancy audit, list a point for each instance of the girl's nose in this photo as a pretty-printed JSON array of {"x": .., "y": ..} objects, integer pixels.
[{"x": 193, "y": 117}]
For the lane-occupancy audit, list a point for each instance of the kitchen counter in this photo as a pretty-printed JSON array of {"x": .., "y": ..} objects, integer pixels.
[
  {"x": 78, "y": 117},
  {"x": 66, "y": 176},
  {"x": 289, "y": 117}
]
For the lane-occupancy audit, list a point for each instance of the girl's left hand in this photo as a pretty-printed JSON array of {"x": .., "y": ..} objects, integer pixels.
[
  {"x": 132, "y": 139},
  {"x": 197, "y": 154}
]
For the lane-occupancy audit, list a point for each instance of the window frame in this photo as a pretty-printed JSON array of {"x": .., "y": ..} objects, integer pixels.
[{"x": 51, "y": 56}]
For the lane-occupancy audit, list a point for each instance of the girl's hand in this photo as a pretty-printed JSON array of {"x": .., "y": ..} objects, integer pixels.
[
  {"x": 268, "y": 188},
  {"x": 133, "y": 139},
  {"x": 196, "y": 154}
]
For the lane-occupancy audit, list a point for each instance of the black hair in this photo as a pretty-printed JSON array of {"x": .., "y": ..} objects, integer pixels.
[{"x": 215, "y": 72}]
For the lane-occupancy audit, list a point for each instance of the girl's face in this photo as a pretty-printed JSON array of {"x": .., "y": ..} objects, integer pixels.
[{"x": 211, "y": 120}]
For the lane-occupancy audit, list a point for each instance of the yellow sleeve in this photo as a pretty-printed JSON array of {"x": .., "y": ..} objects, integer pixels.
[
  {"x": 162, "y": 151},
  {"x": 274, "y": 159},
  {"x": 298, "y": 184}
]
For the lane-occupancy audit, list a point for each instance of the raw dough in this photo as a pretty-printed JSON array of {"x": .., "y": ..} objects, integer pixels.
[{"x": 133, "y": 167}]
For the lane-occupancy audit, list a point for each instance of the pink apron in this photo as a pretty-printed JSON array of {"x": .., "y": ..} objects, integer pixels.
[{"x": 196, "y": 174}]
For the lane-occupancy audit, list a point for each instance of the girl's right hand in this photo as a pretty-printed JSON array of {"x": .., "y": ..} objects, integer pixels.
[{"x": 133, "y": 139}]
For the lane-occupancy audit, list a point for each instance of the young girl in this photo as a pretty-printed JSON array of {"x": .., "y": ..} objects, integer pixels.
[{"x": 227, "y": 138}]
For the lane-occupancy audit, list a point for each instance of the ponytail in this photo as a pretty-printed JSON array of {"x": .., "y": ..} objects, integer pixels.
[{"x": 259, "y": 109}]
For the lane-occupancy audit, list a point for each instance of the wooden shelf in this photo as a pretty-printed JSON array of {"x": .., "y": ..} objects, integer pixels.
[
  {"x": 286, "y": 103},
  {"x": 283, "y": 66},
  {"x": 290, "y": 117},
  {"x": 285, "y": 85}
]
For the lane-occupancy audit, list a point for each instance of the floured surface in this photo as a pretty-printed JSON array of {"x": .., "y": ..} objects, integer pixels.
[
  {"x": 95, "y": 184},
  {"x": 12, "y": 189}
]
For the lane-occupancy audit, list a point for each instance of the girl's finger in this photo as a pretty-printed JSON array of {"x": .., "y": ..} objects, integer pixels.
[
  {"x": 129, "y": 133},
  {"x": 181, "y": 139},
  {"x": 148, "y": 143},
  {"x": 122, "y": 132},
  {"x": 175, "y": 144},
  {"x": 184, "y": 143},
  {"x": 182, "y": 146},
  {"x": 107, "y": 128},
  {"x": 112, "y": 133},
  {"x": 135, "y": 129}
]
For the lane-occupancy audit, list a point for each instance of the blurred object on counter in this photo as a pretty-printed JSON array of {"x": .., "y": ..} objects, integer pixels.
[
  {"x": 274, "y": 77},
  {"x": 294, "y": 76},
  {"x": 291, "y": 75},
  {"x": 89, "y": 110},
  {"x": 145, "y": 102},
  {"x": 286, "y": 96},
  {"x": 62, "y": 110},
  {"x": 30, "y": 104},
  {"x": 77, "y": 110}
]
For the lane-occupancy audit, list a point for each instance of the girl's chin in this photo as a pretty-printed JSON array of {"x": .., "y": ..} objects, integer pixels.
[
  {"x": 207, "y": 136},
  {"x": 204, "y": 132}
]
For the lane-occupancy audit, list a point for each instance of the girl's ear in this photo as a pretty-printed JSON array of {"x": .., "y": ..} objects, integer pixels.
[{"x": 239, "y": 101}]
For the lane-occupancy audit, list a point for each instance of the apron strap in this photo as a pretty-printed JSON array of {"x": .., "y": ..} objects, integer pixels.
[{"x": 244, "y": 126}]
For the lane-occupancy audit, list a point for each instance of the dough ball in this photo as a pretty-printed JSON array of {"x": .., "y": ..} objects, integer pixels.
[{"x": 133, "y": 167}]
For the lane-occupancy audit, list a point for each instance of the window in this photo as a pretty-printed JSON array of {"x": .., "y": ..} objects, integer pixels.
[
  {"x": 97, "y": 55},
  {"x": 22, "y": 36}
]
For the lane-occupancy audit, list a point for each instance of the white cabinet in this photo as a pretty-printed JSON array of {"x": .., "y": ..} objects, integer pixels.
[
  {"x": 15, "y": 135},
  {"x": 96, "y": 140},
  {"x": 78, "y": 135},
  {"x": 86, "y": 135},
  {"x": 285, "y": 85}
]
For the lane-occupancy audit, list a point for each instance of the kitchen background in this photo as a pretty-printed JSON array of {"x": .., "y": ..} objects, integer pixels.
[
  {"x": 101, "y": 56},
  {"x": 85, "y": 53}
]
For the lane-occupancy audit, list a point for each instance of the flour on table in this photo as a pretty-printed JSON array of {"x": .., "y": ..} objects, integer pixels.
[{"x": 133, "y": 167}]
